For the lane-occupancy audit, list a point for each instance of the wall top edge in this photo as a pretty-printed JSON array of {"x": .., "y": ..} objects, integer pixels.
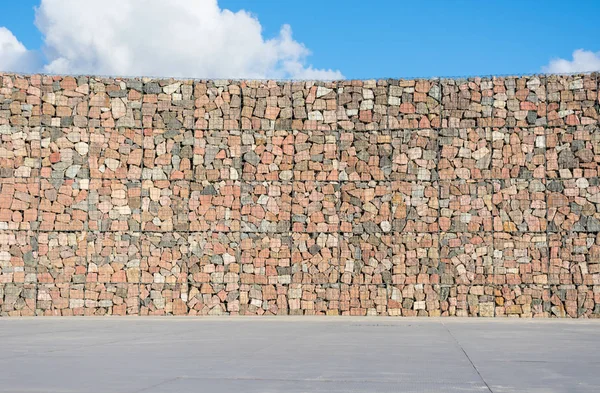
[{"x": 454, "y": 77}]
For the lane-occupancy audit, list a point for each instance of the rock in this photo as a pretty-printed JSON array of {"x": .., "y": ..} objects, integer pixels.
[
  {"x": 593, "y": 225},
  {"x": 479, "y": 154},
  {"x": 566, "y": 159},
  {"x": 82, "y": 148},
  {"x": 252, "y": 158},
  {"x": 582, "y": 183},
  {"x": 585, "y": 155},
  {"x": 112, "y": 164},
  {"x": 172, "y": 88},
  {"x": 72, "y": 171},
  {"x": 323, "y": 91},
  {"x": 386, "y": 226},
  {"x": 209, "y": 190},
  {"x": 118, "y": 108}
]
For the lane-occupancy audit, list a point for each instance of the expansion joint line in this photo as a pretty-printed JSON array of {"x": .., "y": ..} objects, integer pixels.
[{"x": 468, "y": 358}]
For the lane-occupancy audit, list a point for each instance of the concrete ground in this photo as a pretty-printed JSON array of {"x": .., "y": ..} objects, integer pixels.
[{"x": 298, "y": 354}]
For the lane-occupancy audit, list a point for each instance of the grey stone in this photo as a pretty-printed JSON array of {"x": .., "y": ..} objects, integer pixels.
[
  {"x": 252, "y": 158},
  {"x": 593, "y": 225},
  {"x": 314, "y": 249},
  {"x": 152, "y": 88},
  {"x": 209, "y": 190},
  {"x": 555, "y": 186},
  {"x": 566, "y": 159},
  {"x": 585, "y": 155}
]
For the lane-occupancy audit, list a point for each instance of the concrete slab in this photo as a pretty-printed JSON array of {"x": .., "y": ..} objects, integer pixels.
[{"x": 298, "y": 354}]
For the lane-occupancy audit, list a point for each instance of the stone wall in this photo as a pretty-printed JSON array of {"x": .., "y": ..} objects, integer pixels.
[{"x": 451, "y": 197}]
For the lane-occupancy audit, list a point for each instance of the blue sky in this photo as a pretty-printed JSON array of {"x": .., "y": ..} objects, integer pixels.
[{"x": 393, "y": 38}]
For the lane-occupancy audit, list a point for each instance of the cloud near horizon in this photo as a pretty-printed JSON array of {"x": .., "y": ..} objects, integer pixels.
[
  {"x": 14, "y": 55},
  {"x": 178, "y": 38},
  {"x": 583, "y": 61}
]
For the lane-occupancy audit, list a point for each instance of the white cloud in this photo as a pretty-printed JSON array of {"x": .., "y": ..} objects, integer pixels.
[
  {"x": 13, "y": 54},
  {"x": 180, "y": 38},
  {"x": 583, "y": 61}
]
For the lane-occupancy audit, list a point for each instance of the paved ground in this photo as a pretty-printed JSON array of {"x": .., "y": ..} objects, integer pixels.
[{"x": 289, "y": 354}]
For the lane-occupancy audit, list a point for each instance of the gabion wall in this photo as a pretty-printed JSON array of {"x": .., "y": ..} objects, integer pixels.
[{"x": 440, "y": 197}]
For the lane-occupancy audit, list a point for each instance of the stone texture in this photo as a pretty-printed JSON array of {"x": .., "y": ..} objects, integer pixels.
[
  {"x": 111, "y": 299},
  {"x": 217, "y": 155},
  {"x": 20, "y": 151},
  {"x": 217, "y": 105},
  {"x": 574, "y": 259},
  {"x": 573, "y": 152},
  {"x": 266, "y": 259},
  {"x": 316, "y": 155},
  {"x": 164, "y": 258},
  {"x": 60, "y": 299},
  {"x": 267, "y": 155},
  {"x": 18, "y": 257},
  {"x": 525, "y": 301},
  {"x": 314, "y": 299},
  {"x": 519, "y": 205},
  {"x": 411, "y": 300},
  {"x": 113, "y": 257},
  {"x": 415, "y": 289},
  {"x": 114, "y": 153},
  {"x": 366, "y": 258},
  {"x": 168, "y": 154},
  {"x": 17, "y": 299},
  {"x": 520, "y": 101},
  {"x": 214, "y": 206},
  {"x": 166, "y": 205},
  {"x": 64, "y": 204},
  {"x": 168, "y": 103},
  {"x": 573, "y": 205},
  {"x": 365, "y": 207},
  {"x": 519, "y": 153},
  {"x": 266, "y": 105},
  {"x": 62, "y": 258},
  {"x": 163, "y": 299},
  {"x": 365, "y": 156},
  {"x": 361, "y": 300},
  {"x": 414, "y": 155},
  {"x": 362, "y": 105},
  {"x": 314, "y": 105},
  {"x": 116, "y": 103},
  {"x": 467, "y": 206},
  {"x": 453, "y": 197},
  {"x": 467, "y": 103},
  {"x": 315, "y": 207},
  {"x": 266, "y": 273},
  {"x": 520, "y": 259},
  {"x": 65, "y": 153},
  {"x": 466, "y": 259},
  {"x": 573, "y": 301},
  {"x": 19, "y": 203},
  {"x": 572, "y": 100},
  {"x": 467, "y": 301},
  {"x": 214, "y": 273},
  {"x": 45, "y": 100},
  {"x": 414, "y": 207},
  {"x": 465, "y": 153},
  {"x": 415, "y": 258},
  {"x": 115, "y": 205},
  {"x": 414, "y": 103},
  {"x": 315, "y": 258},
  {"x": 266, "y": 207}
]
